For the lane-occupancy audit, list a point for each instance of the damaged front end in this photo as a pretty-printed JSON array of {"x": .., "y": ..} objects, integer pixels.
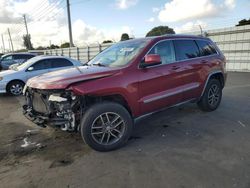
[{"x": 56, "y": 108}]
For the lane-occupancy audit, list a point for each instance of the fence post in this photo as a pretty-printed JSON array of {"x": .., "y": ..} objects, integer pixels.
[
  {"x": 100, "y": 47},
  {"x": 77, "y": 53},
  {"x": 88, "y": 52}
]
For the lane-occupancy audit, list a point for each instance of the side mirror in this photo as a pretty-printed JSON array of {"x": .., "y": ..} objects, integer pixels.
[
  {"x": 30, "y": 69},
  {"x": 151, "y": 60}
]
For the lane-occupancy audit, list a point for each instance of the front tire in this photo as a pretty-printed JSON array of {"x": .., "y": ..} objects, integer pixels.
[
  {"x": 106, "y": 126},
  {"x": 15, "y": 88},
  {"x": 211, "y": 97}
]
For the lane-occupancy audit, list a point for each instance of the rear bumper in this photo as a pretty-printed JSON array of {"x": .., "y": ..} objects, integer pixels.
[{"x": 42, "y": 120}]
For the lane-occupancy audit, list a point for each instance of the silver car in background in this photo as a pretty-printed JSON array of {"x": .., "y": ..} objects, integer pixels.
[
  {"x": 13, "y": 81},
  {"x": 14, "y": 58}
]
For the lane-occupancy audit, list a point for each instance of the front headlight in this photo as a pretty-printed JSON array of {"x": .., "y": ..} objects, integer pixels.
[{"x": 1, "y": 78}]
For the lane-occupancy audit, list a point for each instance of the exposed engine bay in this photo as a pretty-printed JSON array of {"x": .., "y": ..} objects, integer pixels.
[{"x": 57, "y": 108}]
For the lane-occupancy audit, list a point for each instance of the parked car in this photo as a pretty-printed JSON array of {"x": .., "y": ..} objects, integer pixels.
[
  {"x": 129, "y": 80},
  {"x": 13, "y": 81},
  {"x": 14, "y": 58}
]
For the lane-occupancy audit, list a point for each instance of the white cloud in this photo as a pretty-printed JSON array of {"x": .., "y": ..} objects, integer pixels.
[
  {"x": 124, "y": 4},
  {"x": 84, "y": 33},
  {"x": 191, "y": 27},
  {"x": 152, "y": 19},
  {"x": 7, "y": 13},
  {"x": 49, "y": 26},
  {"x": 115, "y": 34},
  {"x": 155, "y": 9},
  {"x": 181, "y": 10},
  {"x": 230, "y": 3}
]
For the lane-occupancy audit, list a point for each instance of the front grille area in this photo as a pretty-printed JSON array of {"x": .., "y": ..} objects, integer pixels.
[{"x": 38, "y": 103}]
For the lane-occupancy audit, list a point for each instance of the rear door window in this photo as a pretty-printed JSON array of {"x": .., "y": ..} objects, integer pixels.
[
  {"x": 18, "y": 57},
  {"x": 42, "y": 64},
  {"x": 186, "y": 49},
  {"x": 206, "y": 48},
  {"x": 23, "y": 56},
  {"x": 166, "y": 50},
  {"x": 60, "y": 62}
]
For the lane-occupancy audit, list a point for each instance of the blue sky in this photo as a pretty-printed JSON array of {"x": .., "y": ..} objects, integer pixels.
[{"x": 103, "y": 14}]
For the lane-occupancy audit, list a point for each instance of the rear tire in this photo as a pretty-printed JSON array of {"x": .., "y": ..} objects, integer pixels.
[
  {"x": 106, "y": 126},
  {"x": 15, "y": 88},
  {"x": 211, "y": 97}
]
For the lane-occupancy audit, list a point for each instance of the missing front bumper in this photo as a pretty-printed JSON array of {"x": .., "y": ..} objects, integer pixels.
[{"x": 43, "y": 120}]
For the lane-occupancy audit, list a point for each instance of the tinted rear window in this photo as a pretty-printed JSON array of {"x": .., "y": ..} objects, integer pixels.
[
  {"x": 42, "y": 64},
  {"x": 23, "y": 56},
  {"x": 186, "y": 49},
  {"x": 56, "y": 63},
  {"x": 206, "y": 48}
]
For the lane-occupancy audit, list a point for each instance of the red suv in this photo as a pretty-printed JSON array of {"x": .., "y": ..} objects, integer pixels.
[{"x": 130, "y": 79}]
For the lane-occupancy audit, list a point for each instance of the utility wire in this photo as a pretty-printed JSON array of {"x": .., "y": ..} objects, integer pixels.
[
  {"x": 44, "y": 6},
  {"x": 46, "y": 13}
]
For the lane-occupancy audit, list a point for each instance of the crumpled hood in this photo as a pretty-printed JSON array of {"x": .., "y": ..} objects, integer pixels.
[{"x": 61, "y": 79}]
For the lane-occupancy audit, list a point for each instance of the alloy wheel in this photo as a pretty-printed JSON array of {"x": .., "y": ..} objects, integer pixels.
[
  {"x": 16, "y": 89},
  {"x": 214, "y": 95},
  {"x": 108, "y": 128}
]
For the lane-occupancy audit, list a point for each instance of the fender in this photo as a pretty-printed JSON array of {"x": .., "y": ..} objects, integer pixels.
[{"x": 209, "y": 76}]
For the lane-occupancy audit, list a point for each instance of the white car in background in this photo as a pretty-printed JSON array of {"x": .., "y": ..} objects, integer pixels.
[{"x": 13, "y": 81}]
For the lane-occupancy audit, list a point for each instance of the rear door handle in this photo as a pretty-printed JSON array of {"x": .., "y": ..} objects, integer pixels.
[
  {"x": 175, "y": 67},
  {"x": 204, "y": 61}
]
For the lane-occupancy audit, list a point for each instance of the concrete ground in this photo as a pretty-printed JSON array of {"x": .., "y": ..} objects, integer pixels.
[{"x": 180, "y": 147}]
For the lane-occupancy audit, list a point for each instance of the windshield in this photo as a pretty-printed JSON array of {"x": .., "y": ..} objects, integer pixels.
[
  {"x": 119, "y": 54},
  {"x": 26, "y": 63}
]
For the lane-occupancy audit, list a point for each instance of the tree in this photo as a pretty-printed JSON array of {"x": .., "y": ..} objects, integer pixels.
[
  {"x": 52, "y": 46},
  {"x": 65, "y": 45},
  {"x": 124, "y": 37},
  {"x": 40, "y": 48},
  {"x": 107, "y": 41},
  {"x": 243, "y": 22},
  {"x": 160, "y": 30},
  {"x": 27, "y": 42}
]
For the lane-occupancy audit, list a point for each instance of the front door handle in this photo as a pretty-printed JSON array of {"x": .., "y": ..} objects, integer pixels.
[{"x": 175, "y": 67}]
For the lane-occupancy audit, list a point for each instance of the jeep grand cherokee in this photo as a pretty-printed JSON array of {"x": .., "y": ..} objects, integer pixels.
[{"x": 128, "y": 80}]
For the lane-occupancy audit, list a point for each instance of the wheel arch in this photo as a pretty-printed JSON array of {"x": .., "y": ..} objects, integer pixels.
[
  {"x": 7, "y": 85},
  {"x": 219, "y": 76},
  {"x": 214, "y": 75},
  {"x": 117, "y": 98}
]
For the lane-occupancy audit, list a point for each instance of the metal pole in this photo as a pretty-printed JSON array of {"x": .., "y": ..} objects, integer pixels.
[
  {"x": 69, "y": 25},
  {"x": 9, "y": 45},
  {"x": 200, "y": 29},
  {"x": 3, "y": 44},
  {"x": 27, "y": 32},
  {"x": 88, "y": 52},
  {"x": 78, "y": 55},
  {"x": 12, "y": 48}
]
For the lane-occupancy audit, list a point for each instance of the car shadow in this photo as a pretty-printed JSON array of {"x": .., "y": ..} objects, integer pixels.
[{"x": 177, "y": 126}]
